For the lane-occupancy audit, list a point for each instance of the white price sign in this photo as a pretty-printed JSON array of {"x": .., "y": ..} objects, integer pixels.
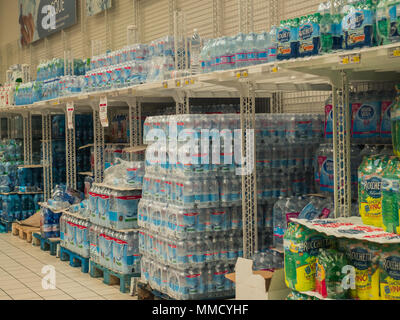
[
  {"x": 103, "y": 111},
  {"x": 70, "y": 113}
]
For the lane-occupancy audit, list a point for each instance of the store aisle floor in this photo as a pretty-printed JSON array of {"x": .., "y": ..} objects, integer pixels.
[{"x": 21, "y": 276}]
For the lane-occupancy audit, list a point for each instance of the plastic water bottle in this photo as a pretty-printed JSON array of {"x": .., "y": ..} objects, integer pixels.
[
  {"x": 195, "y": 51},
  {"x": 326, "y": 32},
  {"x": 240, "y": 52},
  {"x": 250, "y": 47},
  {"x": 279, "y": 223},
  {"x": 262, "y": 47}
]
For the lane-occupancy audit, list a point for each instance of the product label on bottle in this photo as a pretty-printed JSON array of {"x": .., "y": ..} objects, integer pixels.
[
  {"x": 326, "y": 177},
  {"x": 308, "y": 33},
  {"x": 291, "y": 215},
  {"x": 284, "y": 37},
  {"x": 390, "y": 276},
  {"x": 328, "y": 121},
  {"x": 394, "y": 14},
  {"x": 365, "y": 119},
  {"x": 386, "y": 129},
  {"x": 357, "y": 27}
]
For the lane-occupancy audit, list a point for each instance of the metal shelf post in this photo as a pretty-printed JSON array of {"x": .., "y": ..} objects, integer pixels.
[
  {"x": 135, "y": 124},
  {"x": 182, "y": 102},
  {"x": 27, "y": 132},
  {"x": 341, "y": 146},
  {"x": 249, "y": 180},
  {"x": 277, "y": 102},
  {"x": 70, "y": 153},
  {"x": 98, "y": 145},
  {"x": 47, "y": 156}
]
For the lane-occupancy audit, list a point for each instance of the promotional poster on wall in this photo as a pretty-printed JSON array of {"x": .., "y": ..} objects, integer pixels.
[
  {"x": 94, "y": 7},
  {"x": 41, "y": 18}
]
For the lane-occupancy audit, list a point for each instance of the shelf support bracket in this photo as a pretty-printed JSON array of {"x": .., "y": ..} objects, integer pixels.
[
  {"x": 135, "y": 124},
  {"x": 341, "y": 145},
  {"x": 98, "y": 138},
  {"x": 249, "y": 180},
  {"x": 47, "y": 155},
  {"x": 27, "y": 131},
  {"x": 70, "y": 150}
]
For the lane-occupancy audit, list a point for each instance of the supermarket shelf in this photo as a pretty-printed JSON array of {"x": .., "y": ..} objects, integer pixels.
[
  {"x": 75, "y": 215},
  {"x": 30, "y": 192},
  {"x": 90, "y": 174},
  {"x": 86, "y": 146},
  {"x": 31, "y": 166},
  {"x": 45, "y": 205},
  {"x": 136, "y": 149},
  {"x": 315, "y": 294},
  {"x": 103, "y": 185},
  {"x": 312, "y": 73}
]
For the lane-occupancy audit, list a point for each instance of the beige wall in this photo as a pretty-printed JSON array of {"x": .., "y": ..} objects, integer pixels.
[
  {"x": 9, "y": 30},
  {"x": 154, "y": 22}
]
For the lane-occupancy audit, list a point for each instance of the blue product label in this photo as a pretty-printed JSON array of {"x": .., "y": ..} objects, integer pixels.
[
  {"x": 309, "y": 212},
  {"x": 190, "y": 220},
  {"x": 232, "y": 255},
  {"x": 328, "y": 121},
  {"x": 172, "y": 253},
  {"x": 357, "y": 27},
  {"x": 365, "y": 119},
  {"x": 394, "y": 14},
  {"x": 386, "y": 126},
  {"x": 279, "y": 232},
  {"x": 241, "y": 57},
  {"x": 263, "y": 56},
  {"x": 113, "y": 216},
  {"x": 219, "y": 280},
  {"x": 218, "y": 220},
  {"x": 193, "y": 282},
  {"x": 327, "y": 174},
  {"x": 252, "y": 56}
]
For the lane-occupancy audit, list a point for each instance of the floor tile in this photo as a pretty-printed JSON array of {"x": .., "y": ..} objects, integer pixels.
[{"x": 21, "y": 276}]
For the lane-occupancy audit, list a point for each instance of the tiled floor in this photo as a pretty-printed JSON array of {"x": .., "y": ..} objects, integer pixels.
[{"x": 21, "y": 276}]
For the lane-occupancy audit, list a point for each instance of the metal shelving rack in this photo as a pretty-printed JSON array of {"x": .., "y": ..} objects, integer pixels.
[{"x": 332, "y": 72}]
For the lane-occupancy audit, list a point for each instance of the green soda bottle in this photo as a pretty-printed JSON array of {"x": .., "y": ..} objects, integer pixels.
[
  {"x": 290, "y": 261},
  {"x": 391, "y": 196},
  {"x": 326, "y": 33},
  {"x": 394, "y": 20},
  {"x": 382, "y": 23},
  {"x": 395, "y": 121}
]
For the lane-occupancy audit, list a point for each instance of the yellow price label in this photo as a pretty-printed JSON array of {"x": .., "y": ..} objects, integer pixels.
[
  {"x": 355, "y": 59},
  {"x": 274, "y": 69},
  {"x": 178, "y": 83},
  {"x": 396, "y": 53},
  {"x": 245, "y": 74},
  {"x": 238, "y": 75},
  {"x": 192, "y": 81},
  {"x": 345, "y": 60},
  {"x": 187, "y": 82},
  {"x": 165, "y": 85}
]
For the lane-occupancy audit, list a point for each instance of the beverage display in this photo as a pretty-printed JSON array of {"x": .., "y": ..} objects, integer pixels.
[{"x": 114, "y": 250}]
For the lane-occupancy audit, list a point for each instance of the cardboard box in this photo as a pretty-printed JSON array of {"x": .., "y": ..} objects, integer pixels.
[{"x": 258, "y": 285}]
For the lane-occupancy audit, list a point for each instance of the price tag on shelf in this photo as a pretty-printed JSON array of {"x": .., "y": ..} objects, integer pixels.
[
  {"x": 103, "y": 111},
  {"x": 394, "y": 52},
  {"x": 274, "y": 69},
  {"x": 350, "y": 59},
  {"x": 355, "y": 58},
  {"x": 344, "y": 60},
  {"x": 70, "y": 114}
]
